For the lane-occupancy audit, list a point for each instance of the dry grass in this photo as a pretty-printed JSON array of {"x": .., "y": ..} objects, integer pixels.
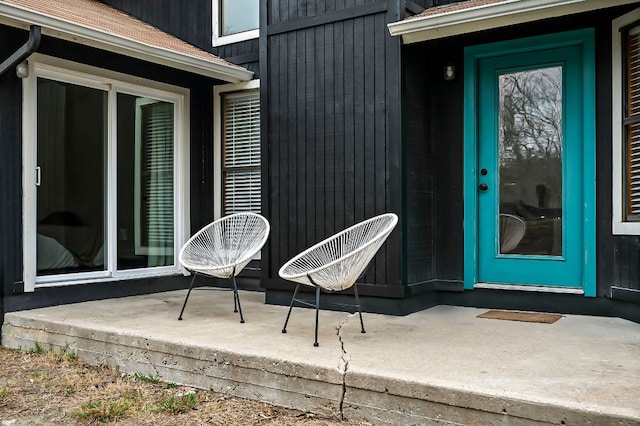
[{"x": 46, "y": 388}]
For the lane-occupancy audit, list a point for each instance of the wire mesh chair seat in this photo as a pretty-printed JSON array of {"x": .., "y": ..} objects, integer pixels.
[
  {"x": 336, "y": 263},
  {"x": 512, "y": 230},
  {"x": 223, "y": 248}
]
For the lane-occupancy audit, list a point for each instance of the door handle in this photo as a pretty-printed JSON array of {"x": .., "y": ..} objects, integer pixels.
[{"x": 483, "y": 187}]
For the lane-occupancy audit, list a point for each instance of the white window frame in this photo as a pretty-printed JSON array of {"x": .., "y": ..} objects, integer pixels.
[
  {"x": 220, "y": 40},
  {"x": 218, "y": 92},
  {"x": 113, "y": 83},
  {"x": 619, "y": 225}
]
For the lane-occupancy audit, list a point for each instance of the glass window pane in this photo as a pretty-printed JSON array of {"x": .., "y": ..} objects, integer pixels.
[
  {"x": 237, "y": 16},
  {"x": 241, "y": 152},
  {"x": 71, "y": 159},
  {"x": 632, "y": 128},
  {"x": 530, "y": 159},
  {"x": 145, "y": 182}
]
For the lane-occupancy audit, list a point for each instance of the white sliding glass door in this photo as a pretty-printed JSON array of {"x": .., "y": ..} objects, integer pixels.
[{"x": 104, "y": 165}]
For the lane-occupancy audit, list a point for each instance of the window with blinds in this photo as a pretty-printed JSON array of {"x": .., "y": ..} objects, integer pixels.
[
  {"x": 631, "y": 122},
  {"x": 241, "y": 152}
]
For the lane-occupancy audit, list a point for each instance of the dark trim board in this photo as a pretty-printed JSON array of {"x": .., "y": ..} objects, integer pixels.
[
  {"x": 52, "y": 296},
  {"x": 626, "y": 295},
  {"x": 364, "y": 289},
  {"x": 243, "y": 59},
  {"x": 414, "y": 8},
  {"x": 341, "y": 302},
  {"x": 327, "y": 18}
]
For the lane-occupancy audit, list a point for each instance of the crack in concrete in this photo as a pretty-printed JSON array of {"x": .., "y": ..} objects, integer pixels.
[{"x": 344, "y": 363}]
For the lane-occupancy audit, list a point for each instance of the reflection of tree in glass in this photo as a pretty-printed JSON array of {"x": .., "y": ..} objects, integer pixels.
[{"x": 531, "y": 114}]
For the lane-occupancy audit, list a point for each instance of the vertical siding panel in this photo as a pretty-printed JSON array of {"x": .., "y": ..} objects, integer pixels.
[
  {"x": 311, "y": 9},
  {"x": 273, "y": 15},
  {"x": 335, "y": 175},
  {"x": 291, "y": 140},
  {"x": 334, "y": 76},
  {"x": 283, "y": 7},
  {"x": 285, "y": 150},
  {"x": 380, "y": 116},
  {"x": 298, "y": 124},
  {"x": 329, "y": 5},
  {"x": 274, "y": 109},
  {"x": 11, "y": 248},
  {"x": 327, "y": 133},
  {"x": 360, "y": 79},
  {"x": 368, "y": 147},
  {"x": 321, "y": 125},
  {"x": 321, "y": 7},
  {"x": 379, "y": 143},
  {"x": 311, "y": 114},
  {"x": 348, "y": 159}
]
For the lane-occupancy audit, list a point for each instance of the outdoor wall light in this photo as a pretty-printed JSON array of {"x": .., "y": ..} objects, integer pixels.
[
  {"x": 22, "y": 70},
  {"x": 449, "y": 72}
]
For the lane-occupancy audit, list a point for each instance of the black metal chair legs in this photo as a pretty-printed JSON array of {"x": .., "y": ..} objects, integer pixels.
[
  {"x": 236, "y": 298},
  {"x": 316, "y": 305}
]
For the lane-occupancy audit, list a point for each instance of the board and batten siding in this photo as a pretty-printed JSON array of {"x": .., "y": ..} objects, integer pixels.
[
  {"x": 191, "y": 21},
  {"x": 11, "y": 166},
  {"x": 187, "y": 20},
  {"x": 331, "y": 103}
]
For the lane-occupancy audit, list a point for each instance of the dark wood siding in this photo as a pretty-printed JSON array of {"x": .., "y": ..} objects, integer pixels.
[
  {"x": 243, "y": 53},
  {"x": 187, "y": 20},
  {"x": 419, "y": 163},
  {"x": 331, "y": 103},
  {"x": 433, "y": 153},
  {"x": 11, "y": 166},
  {"x": 192, "y": 22}
]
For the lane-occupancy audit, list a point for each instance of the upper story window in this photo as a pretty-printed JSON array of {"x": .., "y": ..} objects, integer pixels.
[
  {"x": 626, "y": 124},
  {"x": 235, "y": 20}
]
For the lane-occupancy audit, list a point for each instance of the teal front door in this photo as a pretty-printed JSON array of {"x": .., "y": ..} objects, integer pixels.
[{"x": 529, "y": 176}]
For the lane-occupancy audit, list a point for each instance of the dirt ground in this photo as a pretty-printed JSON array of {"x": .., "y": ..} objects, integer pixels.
[{"x": 46, "y": 388}]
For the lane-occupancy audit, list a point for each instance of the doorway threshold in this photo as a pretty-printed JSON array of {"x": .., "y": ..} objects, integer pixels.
[{"x": 533, "y": 288}]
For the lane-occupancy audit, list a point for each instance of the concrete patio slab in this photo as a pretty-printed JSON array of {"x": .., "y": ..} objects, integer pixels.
[{"x": 439, "y": 366}]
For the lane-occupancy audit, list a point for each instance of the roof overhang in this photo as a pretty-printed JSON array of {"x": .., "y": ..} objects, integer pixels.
[
  {"x": 52, "y": 26},
  {"x": 478, "y": 15}
]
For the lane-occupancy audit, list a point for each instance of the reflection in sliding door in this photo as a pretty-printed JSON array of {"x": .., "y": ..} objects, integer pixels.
[
  {"x": 71, "y": 147},
  {"x": 145, "y": 182}
]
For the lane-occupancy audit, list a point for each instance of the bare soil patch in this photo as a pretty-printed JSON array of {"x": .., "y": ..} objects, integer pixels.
[{"x": 47, "y": 388}]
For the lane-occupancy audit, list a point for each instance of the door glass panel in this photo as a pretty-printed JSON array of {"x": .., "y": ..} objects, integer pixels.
[
  {"x": 530, "y": 162},
  {"x": 145, "y": 182},
  {"x": 71, "y": 197}
]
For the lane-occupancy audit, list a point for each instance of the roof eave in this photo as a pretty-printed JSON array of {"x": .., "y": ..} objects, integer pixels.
[
  {"x": 66, "y": 30},
  {"x": 490, "y": 16}
]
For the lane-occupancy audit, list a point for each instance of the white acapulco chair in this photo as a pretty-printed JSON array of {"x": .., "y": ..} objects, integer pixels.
[
  {"x": 336, "y": 263},
  {"x": 223, "y": 248},
  {"x": 512, "y": 230}
]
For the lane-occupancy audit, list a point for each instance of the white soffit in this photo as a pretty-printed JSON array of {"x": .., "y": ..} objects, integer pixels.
[
  {"x": 185, "y": 57},
  {"x": 478, "y": 15}
]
